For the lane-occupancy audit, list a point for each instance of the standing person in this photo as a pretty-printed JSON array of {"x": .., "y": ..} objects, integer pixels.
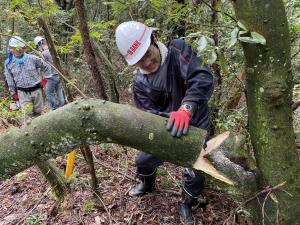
[
  {"x": 23, "y": 79},
  {"x": 53, "y": 84},
  {"x": 169, "y": 79},
  {"x": 15, "y": 104}
]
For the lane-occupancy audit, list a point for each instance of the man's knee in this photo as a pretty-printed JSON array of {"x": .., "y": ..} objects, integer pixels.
[{"x": 146, "y": 162}]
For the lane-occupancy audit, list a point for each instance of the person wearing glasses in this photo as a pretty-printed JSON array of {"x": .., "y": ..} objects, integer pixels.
[
  {"x": 52, "y": 82},
  {"x": 171, "y": 80}
]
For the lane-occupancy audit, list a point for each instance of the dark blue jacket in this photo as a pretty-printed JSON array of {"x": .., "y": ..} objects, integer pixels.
[{"x": 180, "y": 79}]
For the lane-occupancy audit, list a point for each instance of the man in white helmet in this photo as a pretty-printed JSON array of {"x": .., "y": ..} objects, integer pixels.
[
  {"x": 23, "y": 77},
  {"x": 53, "y": 84},
  {"x": 169, "y": 79}
]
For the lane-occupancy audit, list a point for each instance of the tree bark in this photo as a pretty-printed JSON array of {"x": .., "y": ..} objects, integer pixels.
[
  {"x": 216, "y": 67},
  {"x": 88, "y": 49},
  {"x": 88, "y": 156},
  {"x": 269, "y": 97},
  {"x": 110, "y": 71},
  {"x": 95, "y": 121},
  {"x": 54, "y": 177}
]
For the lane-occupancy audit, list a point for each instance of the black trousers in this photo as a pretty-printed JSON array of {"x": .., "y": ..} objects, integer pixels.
[
  {"x": 147, "y": 164},
  {"x": 193, "y": 181}
]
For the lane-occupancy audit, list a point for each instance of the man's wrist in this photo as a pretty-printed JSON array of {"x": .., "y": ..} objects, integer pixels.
[{"x": 187, "y": 107}]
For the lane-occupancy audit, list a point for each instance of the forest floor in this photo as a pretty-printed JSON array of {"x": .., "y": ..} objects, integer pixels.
[{"x": 28, "y": 199}]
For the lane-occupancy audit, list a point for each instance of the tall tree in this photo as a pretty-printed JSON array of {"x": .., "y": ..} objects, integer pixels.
[
  {"x": 269, "y": 95},
  {"x": 88, "y": 49}
]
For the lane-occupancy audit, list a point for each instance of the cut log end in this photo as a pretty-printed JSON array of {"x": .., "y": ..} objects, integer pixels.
[
  {"x": 205, "y": 165},
  {"x": 216, "y": 141}
]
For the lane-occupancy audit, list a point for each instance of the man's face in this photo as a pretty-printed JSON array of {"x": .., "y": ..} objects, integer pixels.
[
  {"x": 150, "y": 62},
  {"x": 17, "y": 51},
  {"x": 42, "y": 45}
]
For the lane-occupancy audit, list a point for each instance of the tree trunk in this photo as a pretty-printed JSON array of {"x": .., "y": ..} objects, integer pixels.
[
  {"x": 54, "y": 177},
  {"x": 93, "y": 121},
  {"x": 216, "y": 67},
  {"x": 88, "y": 156},
  {"x": 269, "y": 96},
  {"x": 85, "y": 149},
  {"x": 110, "y": 71},
  {"x": 88, "y": 49}
]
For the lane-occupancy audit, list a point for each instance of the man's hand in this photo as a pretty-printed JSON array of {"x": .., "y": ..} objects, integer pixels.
[
  {"x": 15, "y": 97},
  {"x": 178, "y": 123},
  {"x": 43, "y": 82}
]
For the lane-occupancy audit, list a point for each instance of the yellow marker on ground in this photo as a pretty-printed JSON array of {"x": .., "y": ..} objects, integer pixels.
[{"x": 70, "y": 163}]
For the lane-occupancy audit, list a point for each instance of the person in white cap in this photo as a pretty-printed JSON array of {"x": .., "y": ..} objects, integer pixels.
[
  {"x": 23, "y": 77},
  {"x": 170, "y": 80},
  {"x": 53, "y": 84}
]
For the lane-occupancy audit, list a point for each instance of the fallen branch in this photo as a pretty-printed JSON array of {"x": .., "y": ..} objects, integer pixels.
[{"x": 266, "y": 190}]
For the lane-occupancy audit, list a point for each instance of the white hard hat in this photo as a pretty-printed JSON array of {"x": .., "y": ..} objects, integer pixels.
[
  {"x": 37, "y": 39},
  {"x": 133, "y": 40},
  {"x": 16, "y": 42}
]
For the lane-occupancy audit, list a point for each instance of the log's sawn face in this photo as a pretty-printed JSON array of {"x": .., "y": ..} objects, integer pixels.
[{"x": 205, "y": 165}]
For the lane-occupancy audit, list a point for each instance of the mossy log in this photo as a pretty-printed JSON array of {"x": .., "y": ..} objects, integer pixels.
[
  {"x": 93, "y": 121},
  {"x": 97, "y": 121}
]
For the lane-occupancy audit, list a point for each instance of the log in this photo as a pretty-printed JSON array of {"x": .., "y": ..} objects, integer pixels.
[{"x": 95, "y": 121}]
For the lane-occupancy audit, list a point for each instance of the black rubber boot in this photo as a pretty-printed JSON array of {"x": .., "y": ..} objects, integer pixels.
[
  {"x": 185, "y": 208},
  {"x": 145, "y": 184}
]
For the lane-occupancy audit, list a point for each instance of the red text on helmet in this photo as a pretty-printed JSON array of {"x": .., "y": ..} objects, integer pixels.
[{"x": 133, "y": 47}]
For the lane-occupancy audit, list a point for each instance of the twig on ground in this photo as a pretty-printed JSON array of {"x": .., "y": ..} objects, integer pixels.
[
  {"x": 295, "y": 105},
  {"x": 175, "y": 181},
  {"x": 169, "y": 191},
  {"x": 106, "y": 209},
  {"x": 36, "y": 204},
  {"x": 266, "y": 190},
  {"x": 263, "y": 208},
  {"x": 130, "y": 218},
  {"x": 113, "y": 169}
]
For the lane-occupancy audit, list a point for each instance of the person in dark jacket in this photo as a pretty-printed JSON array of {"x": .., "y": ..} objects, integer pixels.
[{"x": 170, "y": 79}]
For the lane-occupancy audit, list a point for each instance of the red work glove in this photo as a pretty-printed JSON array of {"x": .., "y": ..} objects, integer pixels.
[
  {"x": 43, "y": 82},
  {"x": 15, "y": 97},
  {"x": 178, "y": 123}
]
